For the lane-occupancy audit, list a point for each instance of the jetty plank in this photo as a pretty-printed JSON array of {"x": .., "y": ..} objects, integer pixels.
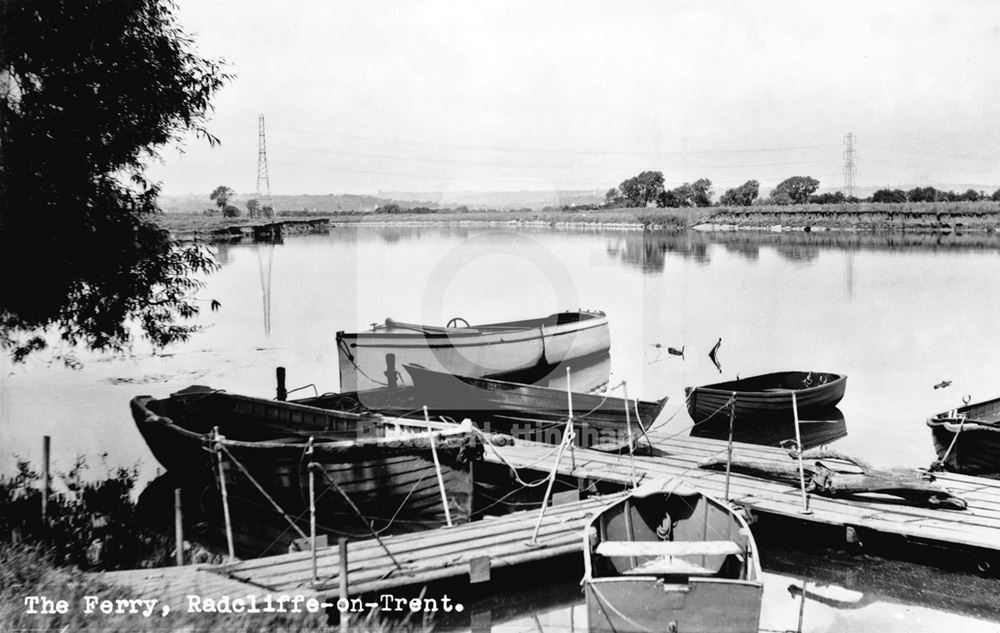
[{"x": 429, "y": 555}]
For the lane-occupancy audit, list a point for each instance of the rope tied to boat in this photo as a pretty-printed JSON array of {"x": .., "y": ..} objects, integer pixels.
[
  {"x": 319, "y": 469},
  {"x": 350, "y": 358}
]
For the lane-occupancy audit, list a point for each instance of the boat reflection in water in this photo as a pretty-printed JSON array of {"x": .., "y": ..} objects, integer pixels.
[{"x": 816, "y": 431}]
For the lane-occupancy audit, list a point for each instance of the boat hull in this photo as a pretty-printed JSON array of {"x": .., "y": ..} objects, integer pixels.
[
  {"x": 767, "y": 396},
  {"x": 367, "y": 481},
  {"x": 670, "y": 559},
  {"x": 484, "y": 350},
  {"x": 967, "y": 439},
  {"x": 639, "y": 605},
  {"x": 521, "y": 410}
]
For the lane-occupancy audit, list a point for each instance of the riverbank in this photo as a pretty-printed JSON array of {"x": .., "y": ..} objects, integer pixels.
[{"x": 912, "y": 217}]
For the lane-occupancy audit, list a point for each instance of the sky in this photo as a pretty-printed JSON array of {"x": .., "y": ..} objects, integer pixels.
[{"x": 438, "y": 96}]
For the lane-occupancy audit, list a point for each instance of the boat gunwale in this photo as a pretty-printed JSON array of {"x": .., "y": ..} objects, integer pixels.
[
  {"x": 527, "y": 334},
  {"x": 769, "y": 395}
]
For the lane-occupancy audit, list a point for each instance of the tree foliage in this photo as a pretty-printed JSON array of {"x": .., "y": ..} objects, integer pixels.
[
  {"x": 742, "y": 196},
  {"x": 89, "y": 91},
  {"x": 794, "y": 190},
  {"x": 834, "y": 197},
  {"x": 695, "y": 194},
  {"x": 253, "y": 207},
  {"x": 221, "y": 195},
  {"x": 889, "y": 195},
  {"x": 643, "y": 190}
]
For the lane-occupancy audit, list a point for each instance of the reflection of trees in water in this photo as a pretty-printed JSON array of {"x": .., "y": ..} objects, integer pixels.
[
  {"x": 221, "y": 252},
  {"x": 649, "y": 249}
]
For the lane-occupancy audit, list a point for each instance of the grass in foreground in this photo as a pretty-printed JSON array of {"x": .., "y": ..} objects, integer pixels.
[{"x": 27, "y": 570}]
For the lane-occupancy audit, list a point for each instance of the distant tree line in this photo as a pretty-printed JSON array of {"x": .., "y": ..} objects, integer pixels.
[
  {"x": 647, "y": 189},
  {"x": 930, "y": 194}
]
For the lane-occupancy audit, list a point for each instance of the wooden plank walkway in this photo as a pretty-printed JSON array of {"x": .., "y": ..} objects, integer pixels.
[
  {"x": 426, "y": 556},
  {"x": 976, "y": 527}
]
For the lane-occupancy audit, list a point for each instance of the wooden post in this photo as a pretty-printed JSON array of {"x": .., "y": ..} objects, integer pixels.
[
  {"x": 798, "y": 444},
  {"x": 178, "y": 528},
  {"x": 548, "y": 490},
  {"x": 342, "y": 577},
  {"x": 391, "y": 374},
  {"x": 312, "y": 510},
  {"x": 631, "y": 440},
  {"x": 729, "y": 453},
  {"x": 282, "y": 391},
  {"x": 225, "y": 496},
  {"x": 569, "y": 422},
  {"x": 437, "y": 468},
  {"x": 46, "y": 479}
]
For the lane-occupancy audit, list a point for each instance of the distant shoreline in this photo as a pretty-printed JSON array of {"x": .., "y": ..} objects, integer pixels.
[{"x": 878, "y": 217}]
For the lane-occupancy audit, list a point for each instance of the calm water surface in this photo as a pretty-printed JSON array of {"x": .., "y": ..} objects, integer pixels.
[{"x": 896, "y": 316}]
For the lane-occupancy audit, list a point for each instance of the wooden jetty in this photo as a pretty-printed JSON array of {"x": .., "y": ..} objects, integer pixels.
[
  {"x": 977, "y": 527},
  {"x": 472, "y": 549}
]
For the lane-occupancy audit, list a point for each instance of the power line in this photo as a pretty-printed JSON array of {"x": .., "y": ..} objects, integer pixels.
[
  {"x": 478, "y": 163},
  {"x": 535, "y": 150}
]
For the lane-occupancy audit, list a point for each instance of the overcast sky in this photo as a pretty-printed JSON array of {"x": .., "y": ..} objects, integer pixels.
[{"x": 362, "y": 97}]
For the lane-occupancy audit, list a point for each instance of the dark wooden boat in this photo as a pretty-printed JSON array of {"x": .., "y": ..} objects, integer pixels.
[
  {"x": 667, "y": 559},
  {"x": 967, "y": 439},
  {"x": 526, "y": 410},
  {"x": 385, "y": 467},
  {"x": 767, "y": 396},
  {"x": 369, "y": 359}
]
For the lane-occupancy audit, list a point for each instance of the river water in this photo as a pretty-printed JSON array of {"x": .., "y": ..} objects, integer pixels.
[{"x": 897, "y": 316}]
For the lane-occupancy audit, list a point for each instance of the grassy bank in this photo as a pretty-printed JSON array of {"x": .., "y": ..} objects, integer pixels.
[
  {"x": 921, "y": 216},
  {"x": 30, "y": 571}
]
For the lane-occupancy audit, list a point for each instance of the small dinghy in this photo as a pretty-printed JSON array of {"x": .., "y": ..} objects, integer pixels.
[
  {"x": 506, "y": 405},
  {"x": 671, "y": 559},
  {"x": 767, "y": 396},
  {"x": 369, "y": 359},
  {"x": 967, "y": 439}
]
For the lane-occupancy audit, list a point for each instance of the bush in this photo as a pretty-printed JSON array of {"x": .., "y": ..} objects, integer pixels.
[{"x": 230, "y": 211}]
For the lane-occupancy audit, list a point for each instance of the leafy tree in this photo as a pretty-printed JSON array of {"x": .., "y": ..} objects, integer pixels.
[
  {"x": 221, "y": 195},
  {"x": 253, "y": 207},
  {"x": 613, "y": 197},
  {"x": 996, "y": 196},
  {"x": 642, "y": 190},
  {"x": 230, "y": 211},
  {"x": 889, "y": 195},
  {"x": 835, "y": 197},
  {"x": 970, "y": 195},
  {"x": 89, "y": 91},
  {"x": 922, "y": 194},
  {"x": 695, "y": 194},
  {"x": 742, "y": 196},
  {"x": 794, "y": 190},
  {"x": 268, "y": 211}
]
